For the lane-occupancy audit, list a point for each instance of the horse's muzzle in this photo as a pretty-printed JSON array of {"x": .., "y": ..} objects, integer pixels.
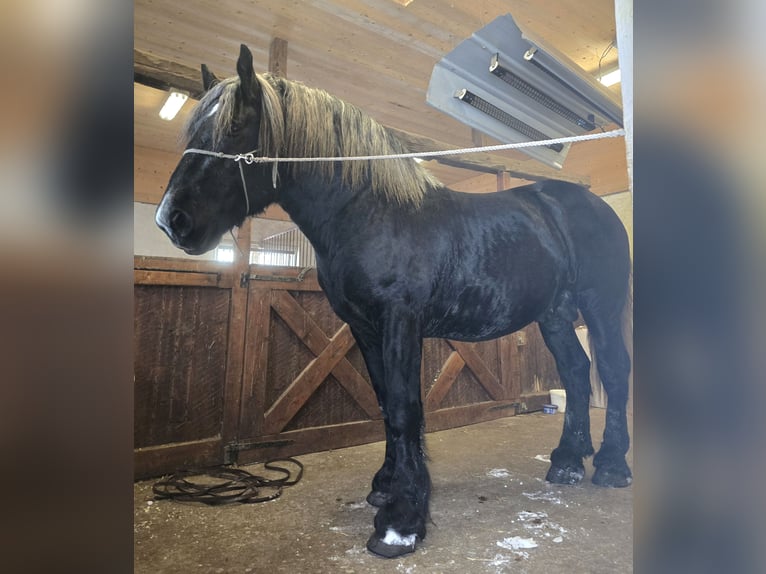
[{"x": 176, "y": 223}]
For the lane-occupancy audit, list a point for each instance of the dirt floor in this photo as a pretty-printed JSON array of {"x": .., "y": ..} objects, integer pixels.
[{"x": 492, "y": 512}]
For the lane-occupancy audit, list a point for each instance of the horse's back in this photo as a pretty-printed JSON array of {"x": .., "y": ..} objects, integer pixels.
[
  {"x": 597, "y": 237},
  {"x": 508, "y": 260}
]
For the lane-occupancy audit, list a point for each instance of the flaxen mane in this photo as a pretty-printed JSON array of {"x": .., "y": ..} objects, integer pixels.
[{"x": 298, "y": 121}]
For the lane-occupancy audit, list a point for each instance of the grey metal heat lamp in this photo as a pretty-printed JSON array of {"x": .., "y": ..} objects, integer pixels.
[{"x": 507, "y": 84}]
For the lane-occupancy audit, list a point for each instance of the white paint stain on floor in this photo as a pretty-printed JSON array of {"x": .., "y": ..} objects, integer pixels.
[
  {"x": 539, "y": 524},
  {"x": 538, "y": 529},
  {"x": 499, "y": 473},
  {"x": 516, "y": 543},
  {"x": 546, "y": 495},
  {"x": 518, "y": 546}
]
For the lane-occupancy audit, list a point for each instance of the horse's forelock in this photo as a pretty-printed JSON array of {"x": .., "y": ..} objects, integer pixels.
[
  {"x": 205, "y": 108},
  {"x": 220, "y": 101}
]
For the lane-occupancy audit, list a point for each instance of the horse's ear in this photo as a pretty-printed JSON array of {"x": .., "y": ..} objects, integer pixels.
[
  {"x": 208, "y": 78},
  {"x": 246, "y": 73}
]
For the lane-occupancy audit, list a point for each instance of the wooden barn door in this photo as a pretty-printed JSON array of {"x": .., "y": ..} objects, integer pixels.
[
  {"x": 188, "y": 331},
  {"x": 232, "y": 369},
  {"x": 305, "y": 386},
  {"x": 464, "y": 383}
]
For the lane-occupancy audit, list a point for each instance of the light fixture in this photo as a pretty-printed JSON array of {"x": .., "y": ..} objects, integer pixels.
[
  {"x": 515, "y": 81},
  {"x": 511, "y": 86},
  {"x": 611, "y": 78},
  {"x": 173, "y": 104},
  {"x": 504, "y": 117}
]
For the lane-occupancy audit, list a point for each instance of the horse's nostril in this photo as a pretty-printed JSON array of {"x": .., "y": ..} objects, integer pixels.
[{"x": 180, "y": 223}]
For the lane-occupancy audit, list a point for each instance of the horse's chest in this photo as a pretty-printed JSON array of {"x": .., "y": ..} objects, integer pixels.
[{"x": 343, "y": 295}]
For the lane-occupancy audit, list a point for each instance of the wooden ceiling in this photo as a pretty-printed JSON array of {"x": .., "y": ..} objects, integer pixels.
[{"x": 377, "y": 54}]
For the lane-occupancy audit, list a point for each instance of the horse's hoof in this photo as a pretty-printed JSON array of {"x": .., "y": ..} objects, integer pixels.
[
  {"x": 377, "y": 546},
  {"x": 570, "y": 475},
  {"x": 612, "y": 478},
  {"x": 377, "y": 498}
]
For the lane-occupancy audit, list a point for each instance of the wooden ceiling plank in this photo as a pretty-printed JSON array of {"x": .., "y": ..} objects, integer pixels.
[{"x": 362, "y": 39}]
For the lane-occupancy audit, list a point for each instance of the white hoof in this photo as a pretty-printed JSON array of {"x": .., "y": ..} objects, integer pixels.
[{"x": 393, "y": 538}]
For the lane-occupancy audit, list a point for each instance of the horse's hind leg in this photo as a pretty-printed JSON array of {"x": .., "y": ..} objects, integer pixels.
[
  {"x": 574, "y": 369},
  {"x": 613, "y": 364}
]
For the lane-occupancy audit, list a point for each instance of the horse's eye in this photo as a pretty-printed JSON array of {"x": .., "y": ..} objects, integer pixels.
[{"x": 235, "y": 128}]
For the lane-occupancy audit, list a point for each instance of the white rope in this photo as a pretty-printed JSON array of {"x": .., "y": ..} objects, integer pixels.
[
  {"x": 250, "y": 157},
  {"x": 244, "y": 186}
]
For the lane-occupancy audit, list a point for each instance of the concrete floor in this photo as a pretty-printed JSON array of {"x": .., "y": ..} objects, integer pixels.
[{"x": 491, "y": 509}]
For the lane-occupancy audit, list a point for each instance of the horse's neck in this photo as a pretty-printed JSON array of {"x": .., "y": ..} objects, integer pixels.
[{"x": 315, "y": 206}]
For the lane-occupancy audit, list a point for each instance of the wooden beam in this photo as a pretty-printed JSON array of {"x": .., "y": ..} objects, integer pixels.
[
  {"x": 503, "y": 180},
  {"x": 478, "y": 138},
  {"x": 278, "y": 57},
  {"x": 153, "y": 461},
  {"x": 453, "y": 417},
  {"x": 300, "y": 390},
  {"x": 302, "y": 324},
  {"x": 487, "y": 183},
  {"x": 162, "y": 73},
  {"x": 483, "y": 374},
  {"x": 447, "y": 377},
  {"x": 148, "y": 277}
]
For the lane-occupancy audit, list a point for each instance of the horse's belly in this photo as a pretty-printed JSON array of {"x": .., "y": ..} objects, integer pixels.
[
  {"x": 473, "y": 335},
  {"x": 479, "y": 313}
]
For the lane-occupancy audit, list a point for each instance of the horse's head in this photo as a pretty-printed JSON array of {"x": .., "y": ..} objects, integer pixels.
[{"x": 208, "y": 195}]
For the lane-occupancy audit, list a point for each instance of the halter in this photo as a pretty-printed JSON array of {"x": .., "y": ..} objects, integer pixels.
[{"x": 249, "y": 158}]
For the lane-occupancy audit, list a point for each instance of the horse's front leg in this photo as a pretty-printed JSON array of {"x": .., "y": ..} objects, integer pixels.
[
  {"x": 372, "y": 350},
  {"x": 401, "y": 520}
]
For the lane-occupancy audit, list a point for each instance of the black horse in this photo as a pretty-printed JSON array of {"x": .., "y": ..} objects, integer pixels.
[{"x": 401, "y": 257}]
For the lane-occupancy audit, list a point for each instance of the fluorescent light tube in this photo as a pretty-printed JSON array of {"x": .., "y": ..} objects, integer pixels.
[
  {"x": 173, "y": 105},
  {"x": 611, "y": 78}
]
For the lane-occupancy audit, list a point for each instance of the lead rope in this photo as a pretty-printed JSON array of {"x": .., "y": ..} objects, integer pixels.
[
  {"x": 250, "y": 157},
  {"x": 226, "y": 485}
]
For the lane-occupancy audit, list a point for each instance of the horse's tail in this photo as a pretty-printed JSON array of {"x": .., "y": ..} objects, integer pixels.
[{"x": 627, "y": 336}]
